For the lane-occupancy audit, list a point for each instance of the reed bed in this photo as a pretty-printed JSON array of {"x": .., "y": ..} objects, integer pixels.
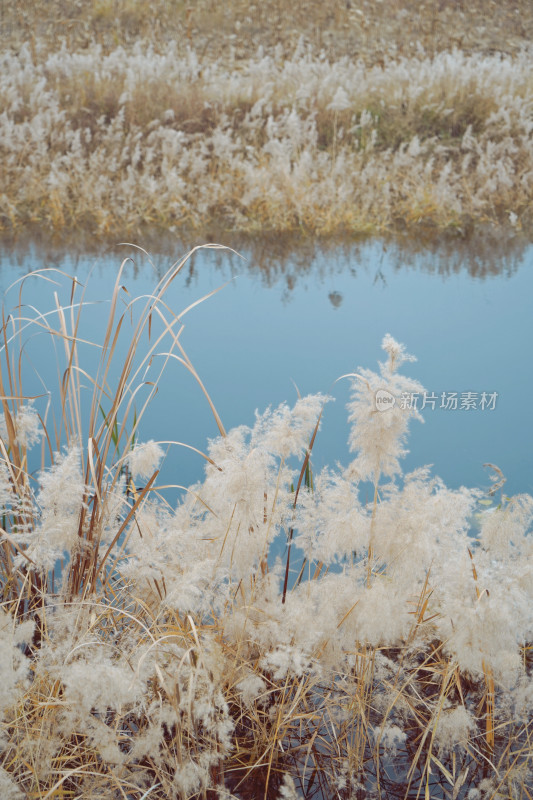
[
  {"x": 157, "y": 650},
  {"x": 115, "y": 140}
]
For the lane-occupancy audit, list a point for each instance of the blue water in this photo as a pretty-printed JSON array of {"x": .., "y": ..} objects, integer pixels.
[{"x": 268, "y": 331}]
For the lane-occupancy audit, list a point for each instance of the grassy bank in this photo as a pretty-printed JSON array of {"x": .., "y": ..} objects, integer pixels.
[
  {"x": 158, "y": 651},
  {"x": 112, "y": 142},
  {"x": 364, "y": 118}
]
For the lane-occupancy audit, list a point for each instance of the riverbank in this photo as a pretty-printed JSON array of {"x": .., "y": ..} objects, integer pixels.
[
  {"x": 112, "y": 125},
  {"x": 110, "y": 143}
]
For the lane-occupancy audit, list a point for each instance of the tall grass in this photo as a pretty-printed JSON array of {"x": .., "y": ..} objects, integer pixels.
[
  {"x": 137, "y": 137},
  {"x": 157, "y": 651}
]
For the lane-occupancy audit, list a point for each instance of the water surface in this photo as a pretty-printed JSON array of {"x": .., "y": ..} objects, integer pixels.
[{"x": 297, "y": 322}]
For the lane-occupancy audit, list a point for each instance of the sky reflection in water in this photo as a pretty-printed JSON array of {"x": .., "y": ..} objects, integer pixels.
[{"x": 302, "y": 320}]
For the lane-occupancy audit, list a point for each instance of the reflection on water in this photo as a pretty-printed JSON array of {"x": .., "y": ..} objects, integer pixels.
[
  {"x": 302, "y": 316},
  {"x": 335, "y": 298},
  {"x": 482, "y": 254}
]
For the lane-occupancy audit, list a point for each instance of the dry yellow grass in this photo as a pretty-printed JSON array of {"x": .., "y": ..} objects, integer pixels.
[
  {"x": 367, "y": 29},
  {"x": 351, "y": 118}
]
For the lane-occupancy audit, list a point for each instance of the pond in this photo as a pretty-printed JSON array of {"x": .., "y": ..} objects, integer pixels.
[{"x": 291, "y": 320}]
